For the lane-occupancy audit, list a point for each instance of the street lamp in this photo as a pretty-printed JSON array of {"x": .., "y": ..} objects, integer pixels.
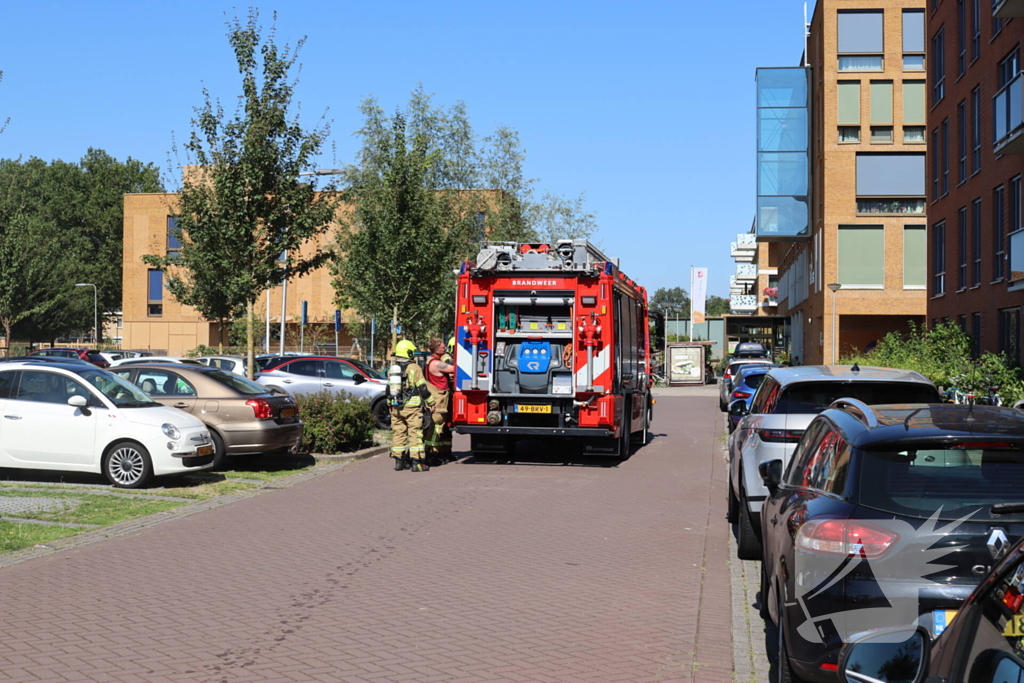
[
  {"x": 835, "y": 287},
  {"x": 95, "y": 308}
]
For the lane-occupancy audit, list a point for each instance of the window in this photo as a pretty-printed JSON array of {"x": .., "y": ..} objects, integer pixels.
[
  {"x": 998, "y": 234},
  {"x": 849, "y": 133},
  {"x": 48, "y": 387},
  {"x": 913, "y": 40},
  {"x": 914, "y": 249},
  {"x": 913, "y": 134},
  {"x": 155, "y": 293},
  {"x": 975, "y": 335},
  {"x": 975, "y": 29},
  {"x": 976, "y": 243},
  {"x": 338, "y": 370},
  {"x": 961, "y": 245},
  {"x": 860, "y": 32},
  {"x": 935, "y": 164},
  {"x": 862, "y": 256},
  {"x": 1009, "y": 67},
  {"x": 306, "y": 368},
  {"x": 975, "y": 130},
  {"x": 173, "y": 237},
  {"x": 163, "y": 383},
  {"x": 961, "y": 134},
  {"x": 480, "y": 227},
  {"x": 939, "y": 259},
  {"x": 7, "y": 381},
  {"x": 938, "y": 66},
  {"x": 1015, "y": 222},
  {"x": 961, "y": 37},
  {"x": 881, "y": 134},
  {"x": 849, "y": 103},
  {"x": 881, "y": 102},
  {"x": 1015, "y": 256},
  {"x": 945, "y": 157},
  {"x": 914, "y": 103},
  {"x": 1009, "y": 332},
  {"x": 890, "y": 183},
  {"x": 119, "y": 322},
  {"x": 997, "y": 23},
  {"x": 860, "y": 63}
]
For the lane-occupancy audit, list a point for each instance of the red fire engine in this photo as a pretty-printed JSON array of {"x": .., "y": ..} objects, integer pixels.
[{"x": 552, "y": 341}]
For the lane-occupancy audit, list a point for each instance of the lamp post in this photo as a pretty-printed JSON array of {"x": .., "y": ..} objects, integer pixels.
[
  {"x": 835, "y": 287},
  {"x": 95, "y": 308}
]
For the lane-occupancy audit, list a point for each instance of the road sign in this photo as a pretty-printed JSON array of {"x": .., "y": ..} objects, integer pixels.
[
  {"x": 305, "y": 312},
  {"x": 337, "y": 320}
]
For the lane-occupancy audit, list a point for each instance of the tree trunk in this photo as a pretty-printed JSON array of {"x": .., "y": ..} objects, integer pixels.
[
  {"x": 220, "y": 336},
  {"x": 394, "y": 328},
  {"x": 250, "y": 352},
  {"x": 7, "y": 337}
]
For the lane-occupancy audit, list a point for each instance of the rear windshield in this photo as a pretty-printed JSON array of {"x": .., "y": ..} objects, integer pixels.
[
  {"x": 960, "y": 481},
  {"x": 366, "y": 369},
  {"x": 735, "y": 367},
  {"x": 238, "y": 383},
  {"x": 754, "y": 381},
  {"x": 814, "y": 397},
  {"x": 95, "y": 357}
]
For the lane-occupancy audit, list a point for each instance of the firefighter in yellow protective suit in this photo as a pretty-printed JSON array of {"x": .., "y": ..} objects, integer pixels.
[
  {"x": 439, "y": 373},
  {"x": 407, "y": 392}
]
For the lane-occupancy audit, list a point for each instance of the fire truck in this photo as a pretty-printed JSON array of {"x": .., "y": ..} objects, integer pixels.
[{"x": 552, "y": 341}]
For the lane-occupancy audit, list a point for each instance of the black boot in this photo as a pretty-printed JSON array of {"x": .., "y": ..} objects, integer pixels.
[
  {"x": 420, "y": 466},
  {"x": 400, "y": 464}
]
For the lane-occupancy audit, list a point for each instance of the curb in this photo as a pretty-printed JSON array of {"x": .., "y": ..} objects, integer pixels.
[{"x": 364, "y": 454}]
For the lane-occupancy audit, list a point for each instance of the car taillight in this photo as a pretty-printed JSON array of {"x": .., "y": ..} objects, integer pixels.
[
  {"x": 261, "y": 409},
  {"x": 844, "y": 537},
  {"x": 780, "y": 435},
  {"x": 740, "y": 394},
  {"x": 727, "y": 375}
]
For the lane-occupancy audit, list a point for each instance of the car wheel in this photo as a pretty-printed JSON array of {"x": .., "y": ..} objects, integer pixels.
[
  {"x": 748, "y": 544},
  {"x": 382, "y": 414},
  {"x": 732, "y": 513},
  {"x": 783, "y": 670},
  {"x": 219, "y": 451},
  {"x": 127, "y": 465}
]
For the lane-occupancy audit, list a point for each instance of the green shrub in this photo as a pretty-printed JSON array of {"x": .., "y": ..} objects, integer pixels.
[
  {"x": 943, "y": 355},
  {"x": 334, "y": 423}
]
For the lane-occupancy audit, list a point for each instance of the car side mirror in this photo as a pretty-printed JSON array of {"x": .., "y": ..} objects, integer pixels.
[
  {"x": 771, "y": 474},
  {"x": 359, "y": 379},
  {"x": 79, "y": 401},
  {"x": 873, "y": 657},
  {"x": 738, "y": 408}
]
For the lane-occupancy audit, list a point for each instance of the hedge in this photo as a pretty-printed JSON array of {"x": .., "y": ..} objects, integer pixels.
[{"x": 335, "y": 423}]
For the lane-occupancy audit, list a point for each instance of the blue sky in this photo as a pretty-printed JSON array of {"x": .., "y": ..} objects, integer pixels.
[{"x": 648, "y": 107}]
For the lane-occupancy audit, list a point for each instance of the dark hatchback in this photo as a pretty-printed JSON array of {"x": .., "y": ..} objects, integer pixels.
[{"x": 886, "y": 512}]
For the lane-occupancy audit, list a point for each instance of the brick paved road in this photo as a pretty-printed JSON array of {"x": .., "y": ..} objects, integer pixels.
[{"x": 471, "y": 572}]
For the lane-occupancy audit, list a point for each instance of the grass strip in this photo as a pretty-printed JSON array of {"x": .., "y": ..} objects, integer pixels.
[
  {"x": 99, "y": 510},
  {"x": 15, "y": 536}
]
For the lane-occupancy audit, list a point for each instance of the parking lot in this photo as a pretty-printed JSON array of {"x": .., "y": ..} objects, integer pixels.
[{"x": 546, "y": 568}]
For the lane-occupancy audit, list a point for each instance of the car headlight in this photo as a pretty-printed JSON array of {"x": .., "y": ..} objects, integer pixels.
[{"x": 170, "y": 430}]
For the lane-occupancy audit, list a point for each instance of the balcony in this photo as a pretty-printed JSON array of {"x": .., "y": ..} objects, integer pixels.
[
  {"x": 746, "y": 272},
  {"x": 735, "y": 286},
  {"x": 1009, "y": 117},
  {"x": 1007, "y": 9},
  {"x": 1016, "y": 260},
  {"x": 743, "y": 303},
  {"x": 741, "y": 254}
]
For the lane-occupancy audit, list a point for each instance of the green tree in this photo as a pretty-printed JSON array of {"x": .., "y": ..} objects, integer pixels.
[
  {"x": 246, "y": 218},
  {"x": 405, "y": 237},
  {"x": 672, "y": 303},
  {"x": 716, "y": 306}
]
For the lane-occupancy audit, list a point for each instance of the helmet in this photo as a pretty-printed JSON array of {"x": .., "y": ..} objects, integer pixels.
[
  {"x": 405, "y": 349},
  {"x": 451, "y": 344}
]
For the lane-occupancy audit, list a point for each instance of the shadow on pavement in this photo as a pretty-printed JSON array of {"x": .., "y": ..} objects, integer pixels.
[
  {"x": 769, "y": 630},
  {"x": 547, "y": 453}
]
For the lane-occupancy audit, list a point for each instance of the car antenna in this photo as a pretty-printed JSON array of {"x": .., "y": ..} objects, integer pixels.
[
  {"x": 906, "y": 423},
  {"x": 855, "y": 368}
]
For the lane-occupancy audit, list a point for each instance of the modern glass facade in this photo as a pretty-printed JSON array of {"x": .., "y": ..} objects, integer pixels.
[{"x": 783, "y": 154}]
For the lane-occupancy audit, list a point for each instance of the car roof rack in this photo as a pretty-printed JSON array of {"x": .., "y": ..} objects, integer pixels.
[{"x": 862, "y": 411}]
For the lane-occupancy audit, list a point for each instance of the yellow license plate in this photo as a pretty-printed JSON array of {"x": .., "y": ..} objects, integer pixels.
[
  {"x": 532, "y": 409},
  {"x": 204, "y": 450},
  {"x": 287, "y": 412}
]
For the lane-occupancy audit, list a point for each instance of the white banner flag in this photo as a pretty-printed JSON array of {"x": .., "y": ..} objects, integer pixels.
[{"x": 698, "y": 293}]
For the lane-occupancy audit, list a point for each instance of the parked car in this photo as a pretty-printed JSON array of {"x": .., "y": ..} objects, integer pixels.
[
  {"x": 269, "y": 361},
  {"x": 305, "y": 375},
  {"x": 234, "y": 364},
  {"x": 45, "y": 359},
  {"x": 366, "y": 370},
  {"x": 785, "y": 403},
  {"x": 725, "y": 386},
  {"x": 120, "y": 354},
  {"x": 890, "y": 512},
  {"x": 74, "y": 417},
  {"x": 744, "y": 386},
  {"x": 88, "y": 355},
  {"x": 751, "y": 350},
  {"x": 154, "y": 359},
  {"x": 244, "y": 418},
  {"x": 984, "y": 642}
]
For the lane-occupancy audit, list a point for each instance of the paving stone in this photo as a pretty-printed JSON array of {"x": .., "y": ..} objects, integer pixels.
[{"x": 34, "y": 504}]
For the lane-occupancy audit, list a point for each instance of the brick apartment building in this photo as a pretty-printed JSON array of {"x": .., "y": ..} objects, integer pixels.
[
  {"x": 841, "y": 177},
  {"x": 976, "y": 128}
]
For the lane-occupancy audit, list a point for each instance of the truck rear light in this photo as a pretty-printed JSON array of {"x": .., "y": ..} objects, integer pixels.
[
  {"x": 780, "y": 435},
  {"x": 494, "y": 404},
  {"x": 261, "y": 409},
  {"x": 845, "y": 537},
  {"x": 741, "y": 394}
]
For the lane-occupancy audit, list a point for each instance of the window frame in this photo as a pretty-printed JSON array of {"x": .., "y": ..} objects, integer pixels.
[
  {"x": 938, "y": 65},
  {"x": 999, "y": 233},
  {"x": 938, "y": 259},
  {"x": 961, "y": 125},
  {"x": 975, "y": 219},
  {"x": 154, "y": 305},
  {"x": 961, "y": 218},
  {"x": 976, "y": 130}
]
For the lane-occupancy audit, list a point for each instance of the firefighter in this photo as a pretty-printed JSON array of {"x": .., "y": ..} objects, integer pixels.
[
  {"x": 407, "y": 391},
  {"x": 438, "y": 434}
]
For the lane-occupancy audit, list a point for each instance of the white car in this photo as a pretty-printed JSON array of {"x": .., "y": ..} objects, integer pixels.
[
  {"x": 83, "y": 419},
  {"x": 112, "y": 356},
  {"x": 233, "y": 364},
  {"x": 154, "y": 359}
]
